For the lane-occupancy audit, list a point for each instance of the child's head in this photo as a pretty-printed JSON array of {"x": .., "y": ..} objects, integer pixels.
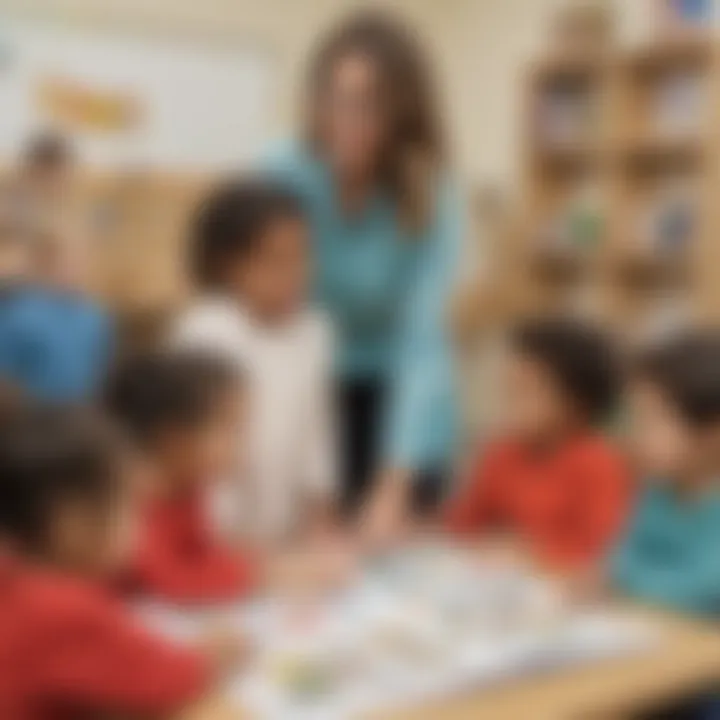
[
  {"x": 675, "y": 406},
  {"x": 65, "y": 480},
  {"x": 562, "y": 376},
  {"x": 183, "y": 410},
  {"x": 47, "y": 159},
  {"x": 250, "y": 240}
]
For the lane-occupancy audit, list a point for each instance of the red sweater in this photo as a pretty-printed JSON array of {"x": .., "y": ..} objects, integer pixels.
[
  {"x": 69, "y": 650},
  {"x": 567, "y": 505},
  {"x": 180, "y": 560}
]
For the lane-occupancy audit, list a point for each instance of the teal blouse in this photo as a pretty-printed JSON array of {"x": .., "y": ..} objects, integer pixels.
[
  {"x": 387, "y": 294},
  {"x": 671, "y": 551}
]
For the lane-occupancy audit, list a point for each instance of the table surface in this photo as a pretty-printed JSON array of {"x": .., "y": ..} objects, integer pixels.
[{"x": 687, "y": 658}]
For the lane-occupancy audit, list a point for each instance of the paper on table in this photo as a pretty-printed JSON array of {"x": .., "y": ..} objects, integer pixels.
[{"x": 423, "y": 625}]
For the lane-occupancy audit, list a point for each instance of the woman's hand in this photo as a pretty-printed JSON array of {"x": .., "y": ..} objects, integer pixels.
[{"x": 384, "y": 522}]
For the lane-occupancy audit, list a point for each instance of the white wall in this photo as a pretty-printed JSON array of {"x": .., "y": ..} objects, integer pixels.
[{"x": 197, "y": 109}]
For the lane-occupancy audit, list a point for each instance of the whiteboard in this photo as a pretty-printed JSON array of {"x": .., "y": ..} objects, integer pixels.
[{"x": 201, "y": 106}]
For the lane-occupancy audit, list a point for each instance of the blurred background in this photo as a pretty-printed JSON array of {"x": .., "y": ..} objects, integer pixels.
[{"x": 582, "y": 133}]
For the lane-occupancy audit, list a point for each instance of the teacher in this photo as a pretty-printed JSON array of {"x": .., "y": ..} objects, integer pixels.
[{"x": 386, "y": 232}]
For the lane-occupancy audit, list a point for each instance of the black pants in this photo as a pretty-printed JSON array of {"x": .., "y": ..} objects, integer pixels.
[{"x": 361, "y": 415}]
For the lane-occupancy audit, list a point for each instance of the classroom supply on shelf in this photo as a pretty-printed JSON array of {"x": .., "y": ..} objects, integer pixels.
[
  {"x": 667, "y": 221},
  {"x": 650, "y": 153},
  {"x": 681, "y": 15},
  {"x": 577, "y": 225},
  {"x": 678, "y": 108},
  {"x": 567, "y": 116}
]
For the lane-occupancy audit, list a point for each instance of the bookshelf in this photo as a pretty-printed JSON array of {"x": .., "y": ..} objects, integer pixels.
[
  {"x": 134, "y": 224},
  {"x": 621, "y": 196}
]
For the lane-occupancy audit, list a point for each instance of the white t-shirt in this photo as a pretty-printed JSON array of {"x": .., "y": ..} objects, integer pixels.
[{"x": 290, "y": 445}]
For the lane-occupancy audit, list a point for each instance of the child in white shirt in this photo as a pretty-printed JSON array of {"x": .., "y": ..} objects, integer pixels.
[{"x": 251, "y": 257}]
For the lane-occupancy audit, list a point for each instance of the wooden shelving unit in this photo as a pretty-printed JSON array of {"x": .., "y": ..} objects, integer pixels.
[{"x": 621, "y": 196}]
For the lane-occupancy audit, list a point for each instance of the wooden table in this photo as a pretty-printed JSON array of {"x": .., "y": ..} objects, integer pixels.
[{"x": 686, "y": 659}]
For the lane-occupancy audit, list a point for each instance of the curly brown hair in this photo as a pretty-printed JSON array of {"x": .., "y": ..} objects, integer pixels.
[{"x": 414, "y": 145}]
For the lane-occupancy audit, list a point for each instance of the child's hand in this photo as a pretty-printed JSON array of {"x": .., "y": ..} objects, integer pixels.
[{"x": 227, "y": 650}]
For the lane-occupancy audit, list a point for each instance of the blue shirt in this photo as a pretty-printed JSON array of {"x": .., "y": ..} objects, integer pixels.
[
  {"x": 53, "y": 345},
  {"x": 387, "y": 290},
  {"x": 670, "y": 553}
]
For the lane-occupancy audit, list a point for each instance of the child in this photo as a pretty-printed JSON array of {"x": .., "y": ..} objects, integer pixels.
[
  {"x": 551, "y": 485},
  {"x": 251, "y": 259},
  {"x": 669, "y": 554},
  {"x": 14, "y": 268},
  {"x": 67, "y": 647},
  {"x": 57, "y": 341},
  {"x": 184, "y": 410},
  {"x": 39, "y": 197}
]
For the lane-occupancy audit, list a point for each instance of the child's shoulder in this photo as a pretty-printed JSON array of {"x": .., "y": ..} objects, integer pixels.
[
  {"x": 595, "y": 447},
  {"x": 213, "y": 308},
  {"x": 27, "y": 299},
  {"x": 209, "y": 320},
  {"x": 93, "y": 314},
  {"x": 317, "y": 338},
  {"x": 317, "y": 325},
  {"x": 499, "y": 449},
  {"x": 54, "y": 601}
]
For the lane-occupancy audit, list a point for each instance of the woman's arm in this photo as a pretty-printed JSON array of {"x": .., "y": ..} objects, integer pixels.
[{"x": 416, "y": 433}]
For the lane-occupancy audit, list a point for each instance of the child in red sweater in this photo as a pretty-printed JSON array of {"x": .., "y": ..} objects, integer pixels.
[
  {"x": 550, "y": 484},
  {"x": 68, "y": 648},
  {"x": 182, "y": 409}
]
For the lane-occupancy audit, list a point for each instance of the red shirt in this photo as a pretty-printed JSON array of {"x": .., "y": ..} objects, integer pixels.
[
  {"x": 179, "y": 558},
  {"x": 567, "y": 504},
  {"x": 68, "y": 649}
]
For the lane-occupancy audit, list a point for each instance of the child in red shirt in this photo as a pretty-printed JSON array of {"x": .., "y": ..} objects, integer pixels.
[
  {"x": 550, "y": 482},
  {"x": 182, "y": 409},
  {"x": 68, "y": 648}
]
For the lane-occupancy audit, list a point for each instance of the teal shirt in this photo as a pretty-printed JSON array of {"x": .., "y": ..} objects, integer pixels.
[
  {"x": 387, "y": 294},
  {"x": 671, "y": 551}
]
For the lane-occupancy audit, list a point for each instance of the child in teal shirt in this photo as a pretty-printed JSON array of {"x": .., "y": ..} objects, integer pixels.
[{"x": 670, "y": 554}]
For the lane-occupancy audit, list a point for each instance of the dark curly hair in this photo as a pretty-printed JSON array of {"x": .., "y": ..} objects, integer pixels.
[
  {"x": 153, "y": 392},
  {"x": 50, "y": 456},
  {"x": 230, "y": 222},
  {"x": 686, "y": 370},
  {"x": 579, "y": 357}
]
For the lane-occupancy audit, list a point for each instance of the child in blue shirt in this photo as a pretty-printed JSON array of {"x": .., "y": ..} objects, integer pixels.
[
  {"x": 13, "y": 272},
  {"x": 670, "y": 554},
  {"x": 54, "y": 341}
]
